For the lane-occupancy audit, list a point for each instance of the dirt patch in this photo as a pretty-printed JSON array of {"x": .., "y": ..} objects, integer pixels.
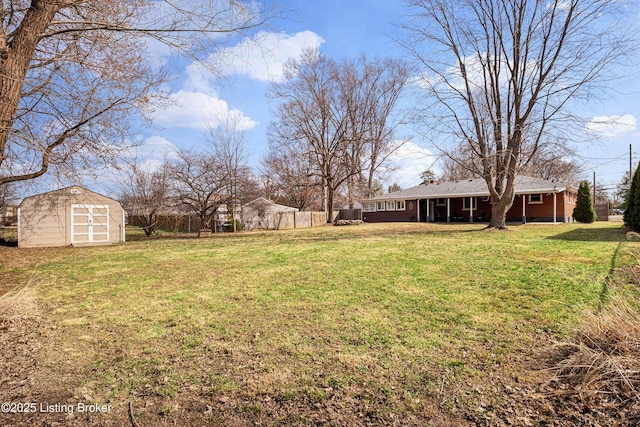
[
  {"x": 31, "y": 385},
  {"x": 525, "y": 390},
  {"x": 545, "y": 395}
]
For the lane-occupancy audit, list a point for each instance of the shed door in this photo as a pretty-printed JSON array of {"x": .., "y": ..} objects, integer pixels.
[{"x": 89, "y": 223}]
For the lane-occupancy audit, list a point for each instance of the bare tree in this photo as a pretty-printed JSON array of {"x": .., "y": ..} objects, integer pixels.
[
  {"x": 146, "y": 193},
  {"x": 556, "y": 165},
  {"x": 338, "y": 115},
  {"x": 552, "y": 162},
  {"x": 290, "y": 177},
  {"x": 7, "y": 192},
  {"x": 73, "y": 71},
  {"x": 199, "y": 182},
  {"x": 502, "y": 74},
  {"x": 227, "y": 141},
  {"x": 383, "y": 82},
  {"x": 311, "y": 122},
  {"x": 250, "y": 187}
]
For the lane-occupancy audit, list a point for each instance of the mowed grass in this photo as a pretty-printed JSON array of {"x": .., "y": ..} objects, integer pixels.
[{"x": 379, "y": 322}]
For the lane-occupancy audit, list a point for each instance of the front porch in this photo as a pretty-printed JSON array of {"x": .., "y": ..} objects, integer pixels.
[{"x": 526, "y": 208}]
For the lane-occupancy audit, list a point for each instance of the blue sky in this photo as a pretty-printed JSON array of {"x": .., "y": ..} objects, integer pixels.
[{"x": 343, "y": 29}]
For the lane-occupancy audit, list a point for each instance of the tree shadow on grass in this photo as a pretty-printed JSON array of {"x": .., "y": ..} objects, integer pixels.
[
  {"x": 592, "y": 234},
  {"x": 599, "y": 234}
]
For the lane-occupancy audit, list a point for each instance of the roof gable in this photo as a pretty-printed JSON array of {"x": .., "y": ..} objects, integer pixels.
[
  {"x": 74, "y": 191},
  {"x": 261, "y": 201}
]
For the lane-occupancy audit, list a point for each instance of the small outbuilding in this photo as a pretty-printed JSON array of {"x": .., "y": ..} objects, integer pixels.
[
  {"x": 260, "y": 214},
  {"x": 70, "y": 216}
]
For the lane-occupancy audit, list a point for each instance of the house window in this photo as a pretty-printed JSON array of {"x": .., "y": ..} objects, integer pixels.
[
  {"x": 391, "y": 206},
  {"x": 400, "y": 206},
  {"x": 469, "y": 203},
  {"x": 441, "y": 202},
  {"x": 369, "y": 206},
  {"x": 380, "y": 206},
  {"x": 535, "y": 199}
]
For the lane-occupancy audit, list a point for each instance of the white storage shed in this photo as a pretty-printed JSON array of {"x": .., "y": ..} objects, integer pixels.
[{"x": 70, "y": 216}]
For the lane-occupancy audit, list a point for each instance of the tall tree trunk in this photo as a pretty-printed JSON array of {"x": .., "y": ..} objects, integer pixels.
[
  {"x": 501, "y": 206},
  {"x": 498, "y": 215},
  {"x": 14, "y": 62},
  {"x": 330, "y": 194}
]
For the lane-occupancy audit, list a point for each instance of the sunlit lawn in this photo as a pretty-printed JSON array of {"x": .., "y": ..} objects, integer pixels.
[{"x": 279, "y": 326}]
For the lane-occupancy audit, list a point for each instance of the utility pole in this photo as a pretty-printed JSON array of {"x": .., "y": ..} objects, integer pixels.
[
  {"x": 594, "y": 188},
  {"x": 630, "y": 164}
]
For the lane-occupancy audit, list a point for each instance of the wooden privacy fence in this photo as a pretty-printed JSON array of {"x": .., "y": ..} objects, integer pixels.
[
  {"x": 282, "y": 221},
  {"x": 290, "y": 220},
  {"x": 178, "y": 223},
  {"x": 602, "y": 210},
  {"x": 350, "y": 214}
]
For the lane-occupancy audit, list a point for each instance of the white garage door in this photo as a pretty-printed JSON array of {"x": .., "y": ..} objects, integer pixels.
[{"x": 89, "y": 223}]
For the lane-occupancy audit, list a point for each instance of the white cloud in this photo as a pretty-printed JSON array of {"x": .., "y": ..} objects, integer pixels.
[
  {"x": 612, "y": 126},
  {"x": 197, "y": 110},
  {"x": 409, "y": 161},
  {"x": 152, "y": 149},
  {"x": 198, "y": 78},
  {"x": 148, "y": 154},
  {"x": 263, "y": 56}
]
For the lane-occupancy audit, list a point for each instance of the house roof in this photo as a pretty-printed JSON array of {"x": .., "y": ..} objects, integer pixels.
[
  {"x": 476, "y": 187},
  {"x": 266, "y": 202}
]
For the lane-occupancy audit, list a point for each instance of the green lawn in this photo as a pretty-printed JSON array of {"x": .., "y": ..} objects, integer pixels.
[{"x": 377, "y": 324}]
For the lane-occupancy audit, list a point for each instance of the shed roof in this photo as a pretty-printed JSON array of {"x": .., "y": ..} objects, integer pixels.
[
  {"x": 476, "y": 187},
  {"x": 74, "y": 189}
]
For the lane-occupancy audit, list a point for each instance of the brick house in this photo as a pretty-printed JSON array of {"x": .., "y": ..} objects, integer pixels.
[{"x": 469, "y": 201}]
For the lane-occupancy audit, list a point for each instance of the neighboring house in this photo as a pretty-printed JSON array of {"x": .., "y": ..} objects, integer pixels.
[
  {"x": 70, "y": 216},
  {"x": 260, "y": 214},
  {"x": 468, "y": 200}
]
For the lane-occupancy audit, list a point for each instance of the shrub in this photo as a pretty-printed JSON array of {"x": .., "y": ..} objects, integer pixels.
[
  {"x": 632, "y": 202},
  {"x": 603, "y": 369},
  {"x": 584, "y": 212}
]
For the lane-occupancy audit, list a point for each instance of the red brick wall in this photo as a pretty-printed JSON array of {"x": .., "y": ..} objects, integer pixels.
[
  {"x": 544, "y": 211},
  {"x": 534, "y": 212},
  {"x": 408, "y": 215},
  {"x": 482, "y": 211}
]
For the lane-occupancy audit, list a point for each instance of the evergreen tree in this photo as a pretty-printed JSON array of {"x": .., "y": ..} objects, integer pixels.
[
  {"x": 632, "y": 203},
  {"x": 622, "y": 191},
  {"x": 584, "y": 212},
  {"x": 427, "y": 176}
]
